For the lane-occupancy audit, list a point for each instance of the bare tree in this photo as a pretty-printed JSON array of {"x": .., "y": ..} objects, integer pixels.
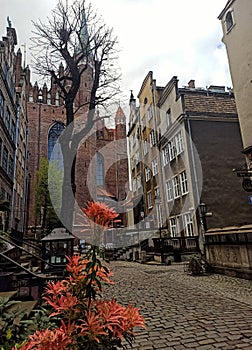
[{"x": 77, "y": 37}]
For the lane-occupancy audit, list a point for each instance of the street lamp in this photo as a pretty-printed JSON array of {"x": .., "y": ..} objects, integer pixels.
[
  {"x": 161, "y": 240},
  {"x": 203, "y": 213},
  {"x": 161, "y": 244}
]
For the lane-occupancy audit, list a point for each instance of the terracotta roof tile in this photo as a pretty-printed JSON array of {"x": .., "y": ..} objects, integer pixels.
[{"x": 200, "y": 103}]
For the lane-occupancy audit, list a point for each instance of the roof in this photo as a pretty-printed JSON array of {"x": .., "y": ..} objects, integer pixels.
[
  {"x": 119, "y": 112},
  {"x": 230, "y": 230},
  {"x": 228, "y": 4},
  {"x": 58, "y": 234},
  {"x": 120, "y": 117},
  {"x": 202, "y": 103}
]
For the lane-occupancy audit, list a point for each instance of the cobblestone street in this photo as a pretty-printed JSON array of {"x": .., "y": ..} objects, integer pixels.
[{"x": 183, "y": 311}]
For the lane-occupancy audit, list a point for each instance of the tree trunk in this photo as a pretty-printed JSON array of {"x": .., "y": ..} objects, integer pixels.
[
  {"x": 69, "y": 158},
  {"x": 68, "y": 200}
]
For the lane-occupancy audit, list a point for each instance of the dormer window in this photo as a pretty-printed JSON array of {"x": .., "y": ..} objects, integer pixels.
[{"x": 229, "y": 21}]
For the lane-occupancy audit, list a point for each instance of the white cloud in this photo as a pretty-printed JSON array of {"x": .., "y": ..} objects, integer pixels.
[{"x": 169, "y": 37}]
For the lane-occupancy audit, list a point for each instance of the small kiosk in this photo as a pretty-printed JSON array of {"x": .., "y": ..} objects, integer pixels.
[{"x": 55, "y": 247}]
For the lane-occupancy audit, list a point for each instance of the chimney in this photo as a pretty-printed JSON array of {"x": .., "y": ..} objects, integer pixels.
[
  {"x": 191, "y": 84},
  {"x": 216, "y": 88}
]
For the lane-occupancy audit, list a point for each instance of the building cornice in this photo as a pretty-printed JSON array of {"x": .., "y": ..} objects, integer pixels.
[{"x": 229, "y": 3}]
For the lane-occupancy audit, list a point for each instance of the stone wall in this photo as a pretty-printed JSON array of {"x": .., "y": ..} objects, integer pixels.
[{"x": 229, "y": 250}]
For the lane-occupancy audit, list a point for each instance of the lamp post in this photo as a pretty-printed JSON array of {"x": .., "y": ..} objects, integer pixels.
[
  {"x": 203, "y": 226},
  {"x": 161, "y": 244},
  {"x": 161, "y": 240},
  {"x": 142, "y": 217}
]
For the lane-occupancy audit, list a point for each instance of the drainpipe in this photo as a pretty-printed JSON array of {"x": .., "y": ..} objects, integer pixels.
[
  {"x": 160, "y": 157},
  {"x": 25, "y": 181},
  {"x": 14, "y": 168},
  {"x": 193, "y": 160},
  {"x": 197, "y": 201}
]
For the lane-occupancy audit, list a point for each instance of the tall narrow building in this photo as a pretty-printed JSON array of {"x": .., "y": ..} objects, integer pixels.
[
  {"x": 180, "y": 141},
  {"x": 236, "y": 21},
  {"x": 13, "y": 135}
]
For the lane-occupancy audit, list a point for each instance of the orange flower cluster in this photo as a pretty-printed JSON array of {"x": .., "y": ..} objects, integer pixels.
[
  {"x": 59, "y": 339},
  {"x": 99, "y": 213},
  {"x": 84, "y": 324},
  {"x": 80, "y": 269}
]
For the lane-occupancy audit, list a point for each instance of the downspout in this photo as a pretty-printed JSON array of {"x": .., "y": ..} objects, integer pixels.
[
  {"x": 39, "y": 130},
  {"x": 160, "y": 157},
  {"x": 25, "y": 181},
  {"x": 193, "y": 159},
  {"x": 14, "y": 167}
]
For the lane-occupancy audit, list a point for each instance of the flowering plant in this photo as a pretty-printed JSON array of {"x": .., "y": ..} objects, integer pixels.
[
  {"x": 97, "y": 216},
  {"x": 85, "y": 319}
]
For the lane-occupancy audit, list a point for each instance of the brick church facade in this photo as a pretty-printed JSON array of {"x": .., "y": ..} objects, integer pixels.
[{"x": 101, "y": 162}]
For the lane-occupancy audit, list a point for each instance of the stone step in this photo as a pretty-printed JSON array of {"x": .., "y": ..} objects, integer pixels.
[
  {"x": 25, "y": 307},
  {"x": 10, "y": 294}
]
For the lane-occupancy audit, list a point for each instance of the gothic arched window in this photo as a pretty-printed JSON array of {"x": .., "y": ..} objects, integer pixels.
[
  {"x": 99, "y": 170},
  {"x": 54, "y": 149}
]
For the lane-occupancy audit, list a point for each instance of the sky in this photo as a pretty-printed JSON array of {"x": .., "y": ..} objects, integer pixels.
[{"x": 169, "y": 37}]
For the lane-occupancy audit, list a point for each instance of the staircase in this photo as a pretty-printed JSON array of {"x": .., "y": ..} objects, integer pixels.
[
  {"x": 20, "y": 271},
  {"x": 134, "y": 252}
]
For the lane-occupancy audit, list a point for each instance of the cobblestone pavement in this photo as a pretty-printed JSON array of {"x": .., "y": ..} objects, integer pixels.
[{"x": 183, "y": 311}]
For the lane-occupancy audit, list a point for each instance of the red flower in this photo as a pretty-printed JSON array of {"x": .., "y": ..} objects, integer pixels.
[
  {"x": 117, "y": 318},
  {"x": 78, "y": 268},
  {"x": 99, "y": 213},
  {"x": 47, "y": 339},
  {"x": 56, "y": 288},
  {"x": 91, "y": 326},
  {"x": 62, "y": 303}
]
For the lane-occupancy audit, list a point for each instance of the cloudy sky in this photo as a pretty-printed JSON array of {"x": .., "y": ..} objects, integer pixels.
[{"x": 169, "y": 37}]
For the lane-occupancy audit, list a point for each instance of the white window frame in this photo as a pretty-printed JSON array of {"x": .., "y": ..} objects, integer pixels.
[
  {"x": 172, "y": 150},
  {"x": 154, "y": 165},
  {"x": 188, "y": 222},
  {"x": 166, "y": 157},
  {"x": 145, "y": 147},
  {"x": 149, "y": 199},
  {"x": 147, "y": 174},
  {"x": 176, "y": 186},
  {"x": 178, "y": 140},
  {"x": 173, "y": 226},
  {"x": 183, "y": 183},
  {"x": 152, "y": 138},
  {"x": 169, "y": 191},
  {"x": 157, "y": 192}
]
